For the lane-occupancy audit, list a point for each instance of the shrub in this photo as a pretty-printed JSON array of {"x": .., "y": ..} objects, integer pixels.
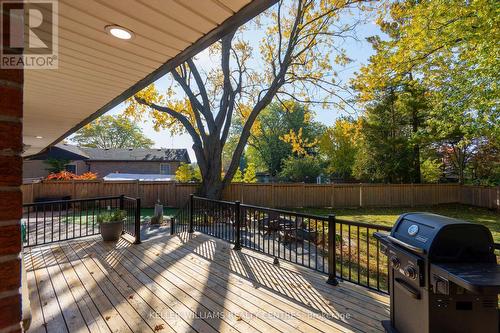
[
  {"x": 87, "y": 176},
  {"x": 301, "y": 169},
  {"x": 66, "y": 175},
  {"x": 187, "y": 173},
  {"x": 250, "y": 174},
  {"x": 62, "y": 175},
  {"x": 431, "y": 170},
  {"x": 111, "y": 216}
]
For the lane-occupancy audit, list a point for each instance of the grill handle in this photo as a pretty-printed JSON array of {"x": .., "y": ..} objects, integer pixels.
[
  {"x": 406, "y": 245},
  {"x": 407, "y": 288}
]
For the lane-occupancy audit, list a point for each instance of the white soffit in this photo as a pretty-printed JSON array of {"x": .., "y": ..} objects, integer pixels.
[{"x": 97, "y": 71}]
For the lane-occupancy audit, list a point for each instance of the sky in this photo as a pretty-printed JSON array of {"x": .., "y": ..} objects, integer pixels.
[{"x": 358, "y": 51}]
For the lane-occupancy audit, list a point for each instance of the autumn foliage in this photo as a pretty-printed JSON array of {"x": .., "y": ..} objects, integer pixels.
[{"x": 66, "y": 175}]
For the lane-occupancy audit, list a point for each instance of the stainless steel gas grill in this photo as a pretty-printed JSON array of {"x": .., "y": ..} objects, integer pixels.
[{"x": 443, "y": 275}]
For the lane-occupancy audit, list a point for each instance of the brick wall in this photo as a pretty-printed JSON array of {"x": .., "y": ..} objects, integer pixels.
[{"x": 11, "y": 111}]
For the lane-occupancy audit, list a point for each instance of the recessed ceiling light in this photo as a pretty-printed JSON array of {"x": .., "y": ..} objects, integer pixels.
[
  {"x": 39, "y": 137},
  {"x": 119, "y": 32}
]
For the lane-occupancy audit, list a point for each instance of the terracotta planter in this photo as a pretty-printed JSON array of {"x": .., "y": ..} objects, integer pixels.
[{"x": 111, "y": 231}]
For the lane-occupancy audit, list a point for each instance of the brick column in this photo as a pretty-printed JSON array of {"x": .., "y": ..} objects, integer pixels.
[{"x": 11, "y": 144}]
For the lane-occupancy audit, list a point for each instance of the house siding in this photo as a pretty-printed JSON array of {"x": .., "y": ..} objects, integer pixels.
[
  {"x": 38, "y": 168},
  {"x": 103, "y": 168},
  {"x": 34, "y": 169}
]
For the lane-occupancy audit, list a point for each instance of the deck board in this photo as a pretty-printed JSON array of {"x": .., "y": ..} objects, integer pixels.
[{"x": 187, "y": 283}]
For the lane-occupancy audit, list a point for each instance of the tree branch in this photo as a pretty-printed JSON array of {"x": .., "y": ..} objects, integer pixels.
[
  {"x": 227, "y": 88},
  {"x": 195, "y": 103},
  {"x": 268, "y": 96},
  {"x": 198, "y": 145},
  {"x": 203, "y": 92}
]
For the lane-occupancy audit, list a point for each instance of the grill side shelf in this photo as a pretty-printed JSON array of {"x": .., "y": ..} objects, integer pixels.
[{"x": 474, "y": 277}]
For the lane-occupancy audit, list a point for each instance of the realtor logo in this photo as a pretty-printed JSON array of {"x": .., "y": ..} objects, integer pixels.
[{"x": 29, "y": 34}]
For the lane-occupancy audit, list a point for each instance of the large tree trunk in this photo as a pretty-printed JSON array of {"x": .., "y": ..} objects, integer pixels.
[
  {"x": 211, "y": 187},
  {"x": 417, "y": 177},
  {"x": 211, "y": 170}
]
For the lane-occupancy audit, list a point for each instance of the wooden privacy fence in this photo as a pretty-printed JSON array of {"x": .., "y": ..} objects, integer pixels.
[{"x": 278, "y": 194}]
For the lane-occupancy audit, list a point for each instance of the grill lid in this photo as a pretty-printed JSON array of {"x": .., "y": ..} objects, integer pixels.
[{"x": 445, "y": 239}]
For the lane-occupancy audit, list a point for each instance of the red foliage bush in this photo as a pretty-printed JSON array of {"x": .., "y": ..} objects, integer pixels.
[
  {"x": 66, "y": 175},
  {"x": 88, "y": 176}
]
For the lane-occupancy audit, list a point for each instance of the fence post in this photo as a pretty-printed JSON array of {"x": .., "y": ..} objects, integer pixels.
[
  {"x": 191, "y": 210},
  {"x": 497, "y": 201},
  {"x": 237, "y": 216},
  {"x": 137, "y": 223},
  {"x": 172, "y": 225},
  {"x": 332, "y": 246},
  {"x": 32, "y": 192},
  {"x": 360, "y": 194},
  {"x": 412, "y": 197}
]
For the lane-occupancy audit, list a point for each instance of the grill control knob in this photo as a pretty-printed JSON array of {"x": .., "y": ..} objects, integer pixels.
[
  {"x": 410, "y": 272},
  {"x": 395, "y": 262}
]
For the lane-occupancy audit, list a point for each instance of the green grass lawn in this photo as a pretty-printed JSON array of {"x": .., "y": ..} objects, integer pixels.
[
  {"x": 148, "y": 212},
  {"x": 90, "y": 216},
  {"x": 387, "y": 216}
]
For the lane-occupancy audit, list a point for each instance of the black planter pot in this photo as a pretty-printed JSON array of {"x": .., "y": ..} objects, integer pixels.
[{"x": 111, "y": 231}]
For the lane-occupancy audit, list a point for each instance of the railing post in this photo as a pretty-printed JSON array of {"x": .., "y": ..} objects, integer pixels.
[
  {"x": 122, "y": 201},
  {"x": 237, "y": 216},
  {"x": 137, "y": 224},
  {"x": 332, "y": 246},
  {"x": 191, "y": 210},
  {"x": 172, "y": 225}
]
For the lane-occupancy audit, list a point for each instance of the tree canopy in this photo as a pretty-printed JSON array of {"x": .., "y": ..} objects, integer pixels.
[
  {"x": 281, "y": 130},
  {"x": 339, "y": 146},
  {"x": 294, "y": 59},
  {"x": 112, "y": 132},
  {"x": 437, "y": 73},
  {"x": 302, "y": 169},
  {"x": 428, "y": 96}
]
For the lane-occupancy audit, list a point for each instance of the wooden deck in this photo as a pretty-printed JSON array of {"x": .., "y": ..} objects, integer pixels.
[{"x": 187, "y": 283}]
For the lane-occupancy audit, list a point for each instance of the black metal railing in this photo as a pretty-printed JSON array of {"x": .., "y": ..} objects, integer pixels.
[
  {"x": 53, "y": 221},
  {"x": 497, "y": 252},
  {"x": 132, "y": 223},
  {"x": 305, "y": 239},
  {"x": 358, "y": 253},
  {"x": 180, "y": 222},
  {"x": 215, "y": 218}
]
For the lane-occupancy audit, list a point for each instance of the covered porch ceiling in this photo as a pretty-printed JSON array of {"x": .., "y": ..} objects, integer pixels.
[{"x": 97, "y": 71}]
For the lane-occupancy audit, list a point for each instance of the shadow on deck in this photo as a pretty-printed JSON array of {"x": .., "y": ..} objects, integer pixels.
[{"x": 186, "y": 283}]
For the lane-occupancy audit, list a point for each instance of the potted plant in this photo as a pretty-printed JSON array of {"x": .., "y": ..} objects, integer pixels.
[{"x": 111, "y": 224}]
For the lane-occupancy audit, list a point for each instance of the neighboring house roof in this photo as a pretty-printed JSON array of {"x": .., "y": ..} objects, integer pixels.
[
  {"x": 139, "y": 154},
  {"x": 72, "y": 152},
  {"x": 61, "y": 152},
  {"x": 72, "y": 149}
]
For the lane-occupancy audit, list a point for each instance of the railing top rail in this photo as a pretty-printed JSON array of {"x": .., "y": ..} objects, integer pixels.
[
  {"x": 69, "y": 201},
  {"x": 129, "y": 198},
  {"x": 302, "y": 215},
  {"x": 364, "y": 225},
  {"x": 213, "y": 200},
  {"x": 288, "y": 212}
]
